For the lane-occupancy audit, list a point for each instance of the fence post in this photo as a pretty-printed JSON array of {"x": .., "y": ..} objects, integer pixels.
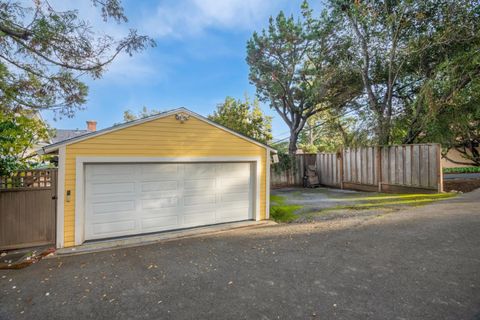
[
  {"x": 439, "y": 168},
  {"x": 379, "y": 168},
  {"x": 341, "y": 156}
]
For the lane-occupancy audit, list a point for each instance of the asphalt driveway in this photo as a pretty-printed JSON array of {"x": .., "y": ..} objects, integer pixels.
[{"x": 417, "y": 263}]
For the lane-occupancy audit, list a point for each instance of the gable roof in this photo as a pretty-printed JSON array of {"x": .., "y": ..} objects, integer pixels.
[
  {"x": 55, "y": 146},
  {"x": 66, "y": 134}
]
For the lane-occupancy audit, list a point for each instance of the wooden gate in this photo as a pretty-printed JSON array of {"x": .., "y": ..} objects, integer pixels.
[{"x": 27, "y": 208}]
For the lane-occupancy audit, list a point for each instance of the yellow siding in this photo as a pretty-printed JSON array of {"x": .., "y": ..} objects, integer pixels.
[{"x": 165, "y": 137}]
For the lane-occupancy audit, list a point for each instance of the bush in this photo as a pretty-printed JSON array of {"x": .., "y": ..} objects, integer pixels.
[
  {"x": 285, "y": 163},
  {"x": 462, "y": 170},
  {"x": 281, "y": 212}
]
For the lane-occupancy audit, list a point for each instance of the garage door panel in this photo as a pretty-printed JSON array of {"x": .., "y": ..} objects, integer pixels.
[
  {"x": 193, "y": 184},
  {"x": 108, "y": 207},
  {"x": 99, "y": 172},
  {"x": 158, "y": 194},
  {"x": 115, "y": 187},
  {"x": 109, "y": 198},
  {"x": 237, "y": 184},
  {"x": 170, "y": 202},
  {"x": 234, "y": 197},
  {"x": 159, "y": 212},
  {"x": 107, "y": 229},
  {"x": 199, "y": 170},
  {"x": 157, "y": 197},
  {"x": 226, "y": 206},
  {"x": 160, "y": 170},
  {"x": 235, "y": 171},
  {"x": 160, "y": 223},
  {"x": 115, "y": 216},
  {"x": 165, "y": 185},
  {"x": 200, "y": 218},
  {"x": 203, "y": 208},
  {"x": 198, "y": 193},
  {"x": 233, "y": 215},
  {"x": 198, "y": 200}
]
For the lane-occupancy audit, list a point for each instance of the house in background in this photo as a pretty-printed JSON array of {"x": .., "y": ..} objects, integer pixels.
[
  {"x": 65, "y": 134},
  {"x": 456, "y": 156}
]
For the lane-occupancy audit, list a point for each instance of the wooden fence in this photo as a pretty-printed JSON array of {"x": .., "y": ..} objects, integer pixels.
[
  {"x": 398, "y": 168},
  {"x": 294, "y": 175},
  {"x": 27, "y": 208}
]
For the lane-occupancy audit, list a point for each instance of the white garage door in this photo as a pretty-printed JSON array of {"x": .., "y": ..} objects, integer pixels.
[{"x": 126, "y": 199}]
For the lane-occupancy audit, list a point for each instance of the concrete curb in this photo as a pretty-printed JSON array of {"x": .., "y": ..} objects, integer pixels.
[{"x": 136, "y": 241}]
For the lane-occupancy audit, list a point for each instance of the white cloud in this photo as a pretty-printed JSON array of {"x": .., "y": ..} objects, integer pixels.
[{"x": 191, "y": 17}]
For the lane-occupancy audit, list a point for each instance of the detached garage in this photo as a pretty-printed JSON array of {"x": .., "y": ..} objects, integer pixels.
[{"x": 171, "y": 171}]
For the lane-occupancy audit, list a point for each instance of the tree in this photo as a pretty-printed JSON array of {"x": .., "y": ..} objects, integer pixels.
[
  {"x": 292, "y": 70},
  {"x": 45, "y": 52},
  {"x": 378, "y": 32},
  {"x": 19, "y": 133},
  {"x": 327, "y": 131},
  {"x": 452, "y": 101},
  {"x": 398, "y": 49},
  {"x": 128, "y": 115},
  {"x": 244, "y": 117},
  {"x": 445, "y": 106}
]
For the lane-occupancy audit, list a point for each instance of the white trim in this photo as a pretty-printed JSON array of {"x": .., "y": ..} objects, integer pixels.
[
  {"x": 80, "y": 181},
  {"x": 267, "y": 186},
  {"x": 60, "y": 197},
  {"x": 79, "y": 201},
  {"x": 55, "y": 146}
]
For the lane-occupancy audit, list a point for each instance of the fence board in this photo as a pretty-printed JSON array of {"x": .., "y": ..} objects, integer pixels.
[
  {"x": 27, "y": 209},
  {"x": 399, "y": 167}
]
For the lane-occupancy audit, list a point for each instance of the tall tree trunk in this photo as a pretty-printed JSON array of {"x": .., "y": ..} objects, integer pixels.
[
  {"x": 311, "y": 139},
  {"x": 382, "y": 129},
  {"x": 292, "y": 146}
]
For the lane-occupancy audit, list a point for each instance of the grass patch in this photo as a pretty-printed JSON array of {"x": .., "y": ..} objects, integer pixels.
[
  {"x": 277, "y": 199},
  {"x": 462, "y": 170},
  {"x": 381, "y": 201},
  {"x": 400, "y": 197},
  {"x": 282, "y": 212}
]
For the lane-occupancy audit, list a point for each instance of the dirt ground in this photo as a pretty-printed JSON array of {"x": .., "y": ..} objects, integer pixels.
[
  {"x": 328, "y": 203},
  {"x": 465, "y": 185}
]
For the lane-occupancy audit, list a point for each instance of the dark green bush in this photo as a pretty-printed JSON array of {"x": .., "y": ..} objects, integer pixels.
[{"x": 462, "y": 170}]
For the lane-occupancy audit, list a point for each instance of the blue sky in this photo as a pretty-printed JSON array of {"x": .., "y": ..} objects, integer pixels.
[{"x": 198, "y": 61}]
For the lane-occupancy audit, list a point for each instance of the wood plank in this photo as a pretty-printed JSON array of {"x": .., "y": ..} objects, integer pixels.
[
  {"x": 432, "y": 167},
  {"x": 390, "y": 188},
  {"x": 359, "y": 186},
  {"x": 424, "y": 166},
  {"x": 415, "y": 165},
  {"x": 408, "y": 165}
]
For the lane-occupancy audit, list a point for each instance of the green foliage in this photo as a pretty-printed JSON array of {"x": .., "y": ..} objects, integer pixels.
[
  {"x": 244, "y": 117},
  {"x": 281, "y": 212},
  {"x": 293, "y": 69},
  {"x": 418, "y": 65},
  {"x": 285, "y": 162},
  {"x": 19, "y": 132},
  {"x": 327, "y": 131},
  {"x": 44, "y": 52},
  {"x": 451, "y": 103},
  {"x": 462, "y": 170},
  {"x": 128, "y": 115}
]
